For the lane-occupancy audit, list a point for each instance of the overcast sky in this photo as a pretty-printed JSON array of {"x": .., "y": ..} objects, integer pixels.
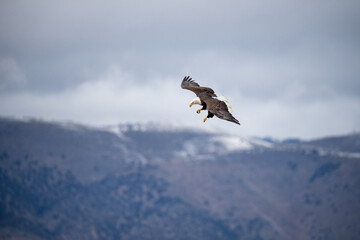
[{"x": 289, "y": 68}]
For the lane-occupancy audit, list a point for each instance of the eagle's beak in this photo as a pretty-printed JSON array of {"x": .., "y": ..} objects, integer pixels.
[
  {"x": 205, "y": 119},
  {"x": 191, "y": 104}
]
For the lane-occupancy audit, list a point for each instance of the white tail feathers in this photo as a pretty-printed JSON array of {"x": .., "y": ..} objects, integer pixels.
[{"x": 226, "y": 101}]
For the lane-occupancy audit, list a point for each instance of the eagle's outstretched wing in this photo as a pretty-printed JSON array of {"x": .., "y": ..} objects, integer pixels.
[
  {"x": 220, "y": 109},
  {"x": 226, "y": 115},
  {"x": 201, "y": 92}
]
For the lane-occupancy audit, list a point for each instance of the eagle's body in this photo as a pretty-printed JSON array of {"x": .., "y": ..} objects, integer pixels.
[{"x": 218, "y": 106}]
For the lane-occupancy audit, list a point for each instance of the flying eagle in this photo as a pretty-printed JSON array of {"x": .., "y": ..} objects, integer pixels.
[{"x": 218, "y": 106}]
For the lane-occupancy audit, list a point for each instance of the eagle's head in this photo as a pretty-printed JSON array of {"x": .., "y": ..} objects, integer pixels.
[{"x": 195, "y": 101}]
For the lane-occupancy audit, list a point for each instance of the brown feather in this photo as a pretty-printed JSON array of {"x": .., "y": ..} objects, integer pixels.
[{"x": 191, "y": 85}]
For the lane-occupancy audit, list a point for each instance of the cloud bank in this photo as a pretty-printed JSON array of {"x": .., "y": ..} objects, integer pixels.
[{"x": 290, "y": 69}]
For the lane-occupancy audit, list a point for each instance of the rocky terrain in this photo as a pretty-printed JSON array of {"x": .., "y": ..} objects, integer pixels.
[{"x": 68, "y": 181}]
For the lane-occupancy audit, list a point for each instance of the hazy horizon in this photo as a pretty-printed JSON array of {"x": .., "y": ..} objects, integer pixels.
[{"x": 165, "y": 126}]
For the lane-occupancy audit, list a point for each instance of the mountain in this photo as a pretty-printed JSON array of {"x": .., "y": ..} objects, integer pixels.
[{"x": 133, "y": 181}]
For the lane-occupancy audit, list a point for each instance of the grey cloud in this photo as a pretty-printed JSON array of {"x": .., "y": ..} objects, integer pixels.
[
  {"x": 294, "y": 52},
  {"x": 11, "y": 77}
]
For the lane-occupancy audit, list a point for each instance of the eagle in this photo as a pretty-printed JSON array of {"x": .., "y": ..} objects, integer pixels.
[{"x": 206, "y": 97}]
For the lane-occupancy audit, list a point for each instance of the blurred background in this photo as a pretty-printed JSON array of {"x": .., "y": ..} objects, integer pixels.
[
  {"x": 97, "y": 140},
  {"x": 289, "y": 68}
]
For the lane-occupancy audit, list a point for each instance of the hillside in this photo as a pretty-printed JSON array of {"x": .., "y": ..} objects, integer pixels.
[{"x": 68, "y": 181}]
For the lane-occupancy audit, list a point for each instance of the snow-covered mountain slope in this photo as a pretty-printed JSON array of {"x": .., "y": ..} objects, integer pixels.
[{"x": 150, "y": 181}]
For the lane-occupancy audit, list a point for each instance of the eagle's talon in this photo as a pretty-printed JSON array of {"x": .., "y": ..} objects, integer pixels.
[
  {"x": 205, "y": 119},
  {"x": 198, "y": 111}
]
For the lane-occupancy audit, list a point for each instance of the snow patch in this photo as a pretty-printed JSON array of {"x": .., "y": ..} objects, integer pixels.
[
  {"x": 115, "y": 130},
  {"x": 233, "y": 143},
  {"x": 220, "y": 144}
]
